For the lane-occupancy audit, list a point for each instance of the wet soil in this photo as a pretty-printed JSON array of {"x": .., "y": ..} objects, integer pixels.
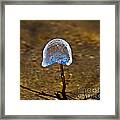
[{"x": 82, "y": 76}]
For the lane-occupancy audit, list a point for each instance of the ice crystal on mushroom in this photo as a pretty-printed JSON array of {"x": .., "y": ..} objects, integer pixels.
[{"x": 57, "y": 51}]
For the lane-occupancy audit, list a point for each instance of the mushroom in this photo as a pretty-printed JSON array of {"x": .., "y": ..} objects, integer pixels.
[{"x": 58, "y": 51}]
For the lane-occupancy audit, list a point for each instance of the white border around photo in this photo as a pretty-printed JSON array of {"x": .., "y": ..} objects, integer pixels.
[{"x": 104, "y": 13}]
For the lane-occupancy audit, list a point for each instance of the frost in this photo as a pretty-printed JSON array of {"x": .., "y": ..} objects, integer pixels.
[{"x": 57, "y": 51}]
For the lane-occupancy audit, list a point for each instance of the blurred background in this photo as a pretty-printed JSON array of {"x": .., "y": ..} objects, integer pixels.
[{"x": 82, "y": 76}]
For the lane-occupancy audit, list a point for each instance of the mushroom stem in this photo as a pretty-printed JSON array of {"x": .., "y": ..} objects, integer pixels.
[{"x": 63, "y": 82}]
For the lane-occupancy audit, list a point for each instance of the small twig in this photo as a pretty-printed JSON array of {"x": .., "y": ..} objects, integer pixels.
[
  {"x": 42, "y": 97},
  {"x": 63, "y": 82},
  {"x": 39, "y": 93}
]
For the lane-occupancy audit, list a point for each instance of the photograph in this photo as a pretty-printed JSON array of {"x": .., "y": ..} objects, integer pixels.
[{"x": 59, "y": 59}]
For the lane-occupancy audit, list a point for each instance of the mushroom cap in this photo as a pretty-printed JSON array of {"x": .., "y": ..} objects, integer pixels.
[{"x": 57, "y": 51}]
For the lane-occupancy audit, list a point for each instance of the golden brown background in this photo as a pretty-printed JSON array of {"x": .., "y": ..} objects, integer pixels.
[{"x": 82, "y": 76}]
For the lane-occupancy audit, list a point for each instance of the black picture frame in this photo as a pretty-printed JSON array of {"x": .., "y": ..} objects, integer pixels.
[{"x": 69, "y": 2}]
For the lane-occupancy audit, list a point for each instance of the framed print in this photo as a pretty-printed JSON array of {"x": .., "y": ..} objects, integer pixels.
[{"x": 60, "y": 59}]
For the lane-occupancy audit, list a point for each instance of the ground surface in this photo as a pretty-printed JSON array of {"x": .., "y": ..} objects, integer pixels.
[{"x": 82, "y": 76}]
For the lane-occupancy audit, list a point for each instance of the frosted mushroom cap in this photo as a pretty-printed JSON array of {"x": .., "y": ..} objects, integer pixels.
[{"x": 57, "y": 51}]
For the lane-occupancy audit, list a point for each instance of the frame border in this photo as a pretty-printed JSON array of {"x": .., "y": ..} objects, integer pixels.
[{"x": 55, "y": 2}]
